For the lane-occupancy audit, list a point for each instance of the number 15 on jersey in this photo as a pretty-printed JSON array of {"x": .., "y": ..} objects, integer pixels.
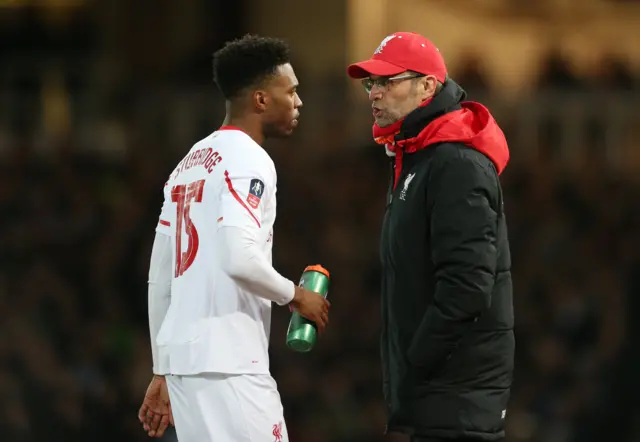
[{"x": 183, "y": 195}]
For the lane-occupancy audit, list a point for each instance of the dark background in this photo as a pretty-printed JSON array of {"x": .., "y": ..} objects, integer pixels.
[{"x": 100, "y": 99}]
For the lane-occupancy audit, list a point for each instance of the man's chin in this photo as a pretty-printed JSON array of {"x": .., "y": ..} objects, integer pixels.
[
  {"x": 383, "y": 122},
  {"x": 289, "y": 130},
  {"x": 285, "y": 133}
]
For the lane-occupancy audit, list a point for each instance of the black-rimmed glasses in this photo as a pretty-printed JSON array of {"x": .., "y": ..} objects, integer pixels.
[{"x": 383, "y": 82}]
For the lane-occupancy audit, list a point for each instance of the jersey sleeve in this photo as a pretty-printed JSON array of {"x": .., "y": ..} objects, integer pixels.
[
  {"x": 165, "y": 221},
  {"x": 247, "y": 189},
  {"x": 159, "y": 296},
  {"x": 243, "y": 261},
  {"x": 244, "y": 194}
]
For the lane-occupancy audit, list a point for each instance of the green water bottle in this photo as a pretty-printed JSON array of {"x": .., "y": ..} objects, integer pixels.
[{"x": 302, "y": 333}]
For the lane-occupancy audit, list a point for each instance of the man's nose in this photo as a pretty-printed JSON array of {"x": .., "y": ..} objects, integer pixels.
[{"x": 375, "y": 93}]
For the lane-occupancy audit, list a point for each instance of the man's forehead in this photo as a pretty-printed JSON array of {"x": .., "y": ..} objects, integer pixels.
[
  {"x": 286, "y": 69},
  {"x": 286, "y": 74}
]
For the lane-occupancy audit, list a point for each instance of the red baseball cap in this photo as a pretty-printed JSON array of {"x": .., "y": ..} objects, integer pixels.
[{"x": 400, "y": 52}]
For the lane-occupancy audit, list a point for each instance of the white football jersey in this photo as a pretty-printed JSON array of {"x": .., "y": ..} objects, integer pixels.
[{"x": 212, "y": 324}]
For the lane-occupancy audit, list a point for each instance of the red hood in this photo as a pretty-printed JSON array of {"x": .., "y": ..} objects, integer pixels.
[{"x": 474, "y": 126}]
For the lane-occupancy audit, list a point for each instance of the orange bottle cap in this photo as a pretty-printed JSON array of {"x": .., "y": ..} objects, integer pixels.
[{"x": 318, "y": 268}]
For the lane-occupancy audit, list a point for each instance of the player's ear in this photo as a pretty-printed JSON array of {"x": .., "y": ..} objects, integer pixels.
[{"x": 261, "y": 100}]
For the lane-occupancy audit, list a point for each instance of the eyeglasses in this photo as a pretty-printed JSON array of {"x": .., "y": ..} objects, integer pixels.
[{"x": 383, "y": 82}]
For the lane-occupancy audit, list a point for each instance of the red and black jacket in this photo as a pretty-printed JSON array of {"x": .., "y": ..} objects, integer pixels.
[{"x": 447, "y": 312}]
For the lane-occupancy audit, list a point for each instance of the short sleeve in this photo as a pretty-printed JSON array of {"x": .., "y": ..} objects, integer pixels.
[
  {"x": 166, "y": 219},
  {"x": 244, "y": 196}
]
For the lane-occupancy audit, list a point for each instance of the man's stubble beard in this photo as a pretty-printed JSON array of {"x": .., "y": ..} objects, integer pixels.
[{"x": 387, "y": 120}]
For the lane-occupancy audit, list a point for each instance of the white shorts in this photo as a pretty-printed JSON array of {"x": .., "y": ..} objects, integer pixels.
[{"x": 227, "y": 408}]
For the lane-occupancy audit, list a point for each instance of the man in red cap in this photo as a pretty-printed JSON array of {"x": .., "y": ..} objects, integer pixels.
[{"x": 447, "y": 310}]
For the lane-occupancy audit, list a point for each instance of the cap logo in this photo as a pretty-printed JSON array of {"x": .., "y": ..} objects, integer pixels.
[{"x": 384, "y": 43}]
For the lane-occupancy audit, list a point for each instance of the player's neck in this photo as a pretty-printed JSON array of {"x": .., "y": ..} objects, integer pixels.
[{"x": 249, "y": 125}]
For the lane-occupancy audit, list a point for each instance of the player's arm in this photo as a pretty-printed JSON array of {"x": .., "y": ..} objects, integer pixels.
[
  {"x": 463, "y": 242},
  {"x": 244, "y": 262},
  {"x": 240, "y": 254},
  {"x": 159, "y": 284}
]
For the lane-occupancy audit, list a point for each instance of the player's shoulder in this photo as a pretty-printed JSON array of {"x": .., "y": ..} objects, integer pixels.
[
  {"x": 241, "y": 150},
  {"x": 239, "y": 140}
]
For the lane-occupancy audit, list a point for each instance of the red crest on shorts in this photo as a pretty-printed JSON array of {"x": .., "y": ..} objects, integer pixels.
[{"x": 277, "y": 432}]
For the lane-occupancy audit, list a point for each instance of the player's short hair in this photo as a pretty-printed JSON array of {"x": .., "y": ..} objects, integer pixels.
[{"x": 247, "y": 62}]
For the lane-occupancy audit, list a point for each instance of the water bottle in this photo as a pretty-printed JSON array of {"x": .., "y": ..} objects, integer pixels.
[{"x": 302, "y": 333}]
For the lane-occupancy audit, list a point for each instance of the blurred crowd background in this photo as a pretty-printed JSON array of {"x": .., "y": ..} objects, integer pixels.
[{"x": 99, "y": 99}]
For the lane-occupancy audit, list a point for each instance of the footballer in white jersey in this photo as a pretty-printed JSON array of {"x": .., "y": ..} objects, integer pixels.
[{"x": 211, "y": 279}]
